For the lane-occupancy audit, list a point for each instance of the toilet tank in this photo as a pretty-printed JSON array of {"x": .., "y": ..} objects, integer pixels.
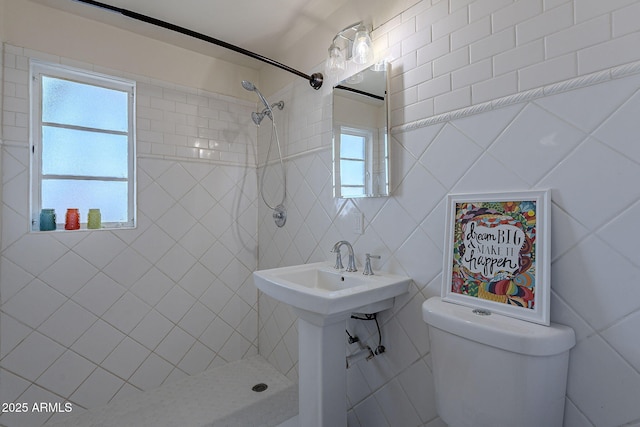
[{"x": 496, "y": 371}]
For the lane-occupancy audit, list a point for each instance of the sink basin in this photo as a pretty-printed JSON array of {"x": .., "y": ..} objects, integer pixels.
[{"x": 319, "y": 288}]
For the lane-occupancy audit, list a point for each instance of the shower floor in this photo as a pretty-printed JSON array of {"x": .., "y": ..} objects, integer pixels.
[{"x": 218, "y": 397}]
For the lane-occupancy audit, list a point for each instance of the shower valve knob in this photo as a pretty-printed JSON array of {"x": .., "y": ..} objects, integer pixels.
[{"x": 280, "y": 215}]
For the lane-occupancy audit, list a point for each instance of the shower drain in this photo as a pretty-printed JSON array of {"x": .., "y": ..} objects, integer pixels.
[{"x": 259, "y": 387}]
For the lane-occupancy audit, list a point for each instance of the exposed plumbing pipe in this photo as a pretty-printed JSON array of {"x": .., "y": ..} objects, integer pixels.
[
  {"x": 365, "y": 353},
  {"x": 315, "y": 80}
]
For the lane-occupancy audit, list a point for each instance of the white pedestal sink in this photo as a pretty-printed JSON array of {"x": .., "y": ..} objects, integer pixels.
[{"x": 323, "y": 298}]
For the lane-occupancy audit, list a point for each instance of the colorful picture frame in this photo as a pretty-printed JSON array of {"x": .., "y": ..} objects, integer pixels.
[{"x": 497, "y": 253}]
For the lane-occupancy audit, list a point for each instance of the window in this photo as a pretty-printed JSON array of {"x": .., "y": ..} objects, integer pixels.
[
  {"x": 354, "y": 155},
  {"x": 352, "y": 164},
  {"x": 83, "y": 145}
]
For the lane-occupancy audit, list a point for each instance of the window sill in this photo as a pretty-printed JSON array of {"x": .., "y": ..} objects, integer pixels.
[{"x": 83, "y": 227}]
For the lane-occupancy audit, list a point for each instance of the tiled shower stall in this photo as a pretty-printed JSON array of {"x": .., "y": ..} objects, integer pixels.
[
  {"x": 88, "y": 316},
  {"x": 486, "y": 96}
]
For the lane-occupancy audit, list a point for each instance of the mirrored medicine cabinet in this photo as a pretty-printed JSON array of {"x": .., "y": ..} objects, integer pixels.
[{"x": 360, "y": 134}]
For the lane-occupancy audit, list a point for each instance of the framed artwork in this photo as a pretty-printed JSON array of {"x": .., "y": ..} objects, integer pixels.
[{"x": 497, "y": 253}]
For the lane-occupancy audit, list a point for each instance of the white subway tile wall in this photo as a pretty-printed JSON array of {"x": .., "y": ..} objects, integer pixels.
[
  {"x": 529, "y": 43},
  {"x": 93, "y": 315}
]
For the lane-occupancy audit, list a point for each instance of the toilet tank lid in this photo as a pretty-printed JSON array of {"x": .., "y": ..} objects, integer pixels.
[{"x": 499, "y": 331}]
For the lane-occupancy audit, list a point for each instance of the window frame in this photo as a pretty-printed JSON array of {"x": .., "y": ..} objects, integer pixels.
[{"x": 37, "y": 70}]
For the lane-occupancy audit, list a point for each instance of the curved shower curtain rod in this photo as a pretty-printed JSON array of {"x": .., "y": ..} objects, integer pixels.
[{"x": 315, "y": 80}]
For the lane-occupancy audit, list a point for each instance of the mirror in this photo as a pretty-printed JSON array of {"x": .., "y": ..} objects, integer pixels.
[{"x": 360, "y": 134}]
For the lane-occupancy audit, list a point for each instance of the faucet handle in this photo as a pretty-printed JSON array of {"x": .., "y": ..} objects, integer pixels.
[{"x": 367, "y": 265}]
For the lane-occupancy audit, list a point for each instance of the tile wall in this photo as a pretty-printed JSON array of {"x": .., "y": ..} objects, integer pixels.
[
  {"x": 446, "y": 55},
  {"x": 92, "y": 315},
  {"x": 557, "y": 108}
]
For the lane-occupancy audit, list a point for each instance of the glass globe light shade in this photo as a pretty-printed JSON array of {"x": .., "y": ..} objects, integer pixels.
[
  {"x": 362, "y": 51},
  {"x": 336, "y": 61}
]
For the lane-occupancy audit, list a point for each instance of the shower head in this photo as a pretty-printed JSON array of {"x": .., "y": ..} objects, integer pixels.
[
  {"x": 267, "y": 111},
  {"x": 257, "y": 117},
  {"x": 248, "y": 85},
  {"x": 252, "y": 88}
]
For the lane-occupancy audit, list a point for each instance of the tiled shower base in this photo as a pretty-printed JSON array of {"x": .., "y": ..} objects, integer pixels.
[{"x": 221, "y": 396}]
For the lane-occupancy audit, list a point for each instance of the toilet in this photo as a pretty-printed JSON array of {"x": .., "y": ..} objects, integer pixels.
[{"x": 492, "y": 370}]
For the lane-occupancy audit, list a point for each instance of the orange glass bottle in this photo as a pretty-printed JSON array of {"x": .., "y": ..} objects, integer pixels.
[{"x": 72, "y": 219}]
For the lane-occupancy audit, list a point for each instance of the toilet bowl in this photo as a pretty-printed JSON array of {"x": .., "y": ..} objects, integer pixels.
[{"x": 494, "y": 370}]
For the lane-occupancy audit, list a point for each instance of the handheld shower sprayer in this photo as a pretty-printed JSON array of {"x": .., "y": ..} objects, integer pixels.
[
  {"x": 279, "y": 211},
  {"x": 267, "y": 111},
  {"x": 252, "y": 88}
]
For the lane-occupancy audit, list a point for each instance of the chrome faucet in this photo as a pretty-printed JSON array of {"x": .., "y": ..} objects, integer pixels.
[{"x": 351, "y": 264}]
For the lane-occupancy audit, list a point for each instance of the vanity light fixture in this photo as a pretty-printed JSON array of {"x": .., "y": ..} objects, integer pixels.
[{"x": 352, "y": 43}]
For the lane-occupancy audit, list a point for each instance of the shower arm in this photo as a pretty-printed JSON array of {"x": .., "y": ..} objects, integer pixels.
[
  {"x": 279, "y": 104},
  {"x": 315, "y": 80}
]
